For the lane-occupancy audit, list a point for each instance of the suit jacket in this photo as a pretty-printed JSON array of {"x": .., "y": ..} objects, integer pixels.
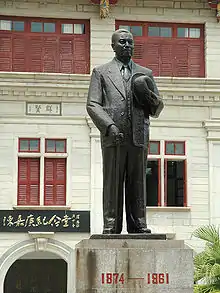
[{"x": 107, "y": 102}]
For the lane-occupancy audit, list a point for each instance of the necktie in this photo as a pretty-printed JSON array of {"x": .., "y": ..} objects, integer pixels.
[{"x": 125, "y": 72}]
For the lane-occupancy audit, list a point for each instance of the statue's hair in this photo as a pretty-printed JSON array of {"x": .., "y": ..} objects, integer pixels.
[{"x": 119, "y": 31}]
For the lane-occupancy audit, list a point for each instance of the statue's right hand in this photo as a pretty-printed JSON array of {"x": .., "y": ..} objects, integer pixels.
[
  {"x": 115, "y": 134},
  {"x": 113, "y": 131}
]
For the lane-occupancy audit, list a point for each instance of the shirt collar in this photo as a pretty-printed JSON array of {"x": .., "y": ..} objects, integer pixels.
[{"x": 120, "y": 64}]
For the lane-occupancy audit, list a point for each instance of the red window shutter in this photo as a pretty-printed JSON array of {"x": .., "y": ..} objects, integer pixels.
[
  {"x": 181, "y": 56},
  {"x": 28, "y": 181},
  {"x": 5, "y": 52},
  {"x": 42, "y": 54},
  {"x": 66, "y": 50},
  {"x": 159, "y": 56},
  {"x": 196, "y": 58},
  {"x": 49, "y": 54},
  {"x": 189, "y": 58},
  {"x": 156, "y": 54},
  {"x": 74, "y": 54},
  {"x": 81, "y": 54},
  {"x": 19, "y": 52},
  {"x": 55, "y": 182},
  {"x": 152, "y": 56},
  {"x": 139, "y": 51},
  {"x": 35, "y": 48},
  {"x": 166, "y": 58}
]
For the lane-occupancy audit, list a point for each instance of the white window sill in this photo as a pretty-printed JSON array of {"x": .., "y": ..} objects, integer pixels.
[
  {"x": 41, "y": 207},
  {"x": 169, "y": 209}
]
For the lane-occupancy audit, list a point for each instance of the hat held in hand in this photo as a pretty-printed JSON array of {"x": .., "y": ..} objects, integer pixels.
[
  {"x": 142, "y": 87},
  {"x": 144, "y": 96}
]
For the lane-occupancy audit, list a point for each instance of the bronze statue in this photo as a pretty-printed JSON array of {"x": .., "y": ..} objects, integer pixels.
[{"x": 122, "y": 96}]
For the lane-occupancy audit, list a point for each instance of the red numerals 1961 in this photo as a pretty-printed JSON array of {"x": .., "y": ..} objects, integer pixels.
[
  {"x": 157, "y": 278},
  {"x": 112, "y": 278}
]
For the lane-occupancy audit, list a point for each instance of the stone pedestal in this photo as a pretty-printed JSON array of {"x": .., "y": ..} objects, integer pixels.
[{"x": 133, "y": 265}]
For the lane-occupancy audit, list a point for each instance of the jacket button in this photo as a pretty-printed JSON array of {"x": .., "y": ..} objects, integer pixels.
[{"x": 122, "y": 113}]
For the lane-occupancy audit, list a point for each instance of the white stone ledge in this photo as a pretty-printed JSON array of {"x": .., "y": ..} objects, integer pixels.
[
  {"x": 61, "y": 120},
  {"x": 48, "y": 80},
  {"x": 75, "y": 87},
  {"x": 212, "y": 124},
  {"x": 168, "y": 209},
  {"x": 79, "y": 79},
  {"x": 41, "y": 207}
]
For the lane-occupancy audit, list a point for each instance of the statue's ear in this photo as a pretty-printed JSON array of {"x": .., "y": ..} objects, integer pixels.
[{"x": 113, "y": 47}]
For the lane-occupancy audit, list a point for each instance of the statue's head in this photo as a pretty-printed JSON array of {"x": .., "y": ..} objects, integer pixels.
[{"x": 123, "y": 44}]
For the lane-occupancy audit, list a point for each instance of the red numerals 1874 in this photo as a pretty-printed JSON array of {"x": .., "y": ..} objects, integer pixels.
[
  {"x": 157, "y": 278},
  {"x": 112, "y": 278}
]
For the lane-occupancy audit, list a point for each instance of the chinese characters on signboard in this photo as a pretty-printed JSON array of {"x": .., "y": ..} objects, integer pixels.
[
  {"x": 58, "y": 221},
  {"x": 48, "y": 109}
]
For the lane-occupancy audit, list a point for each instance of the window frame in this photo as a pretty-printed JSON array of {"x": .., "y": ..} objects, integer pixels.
[
  {"x": 173, "y": 40},
  {"x": 175, "y": 142},
  {"x": 28, "y": 139},
  {"x": 185, "y": 181},
  {"x": 42, "y": 155},
  {"x": 27, "y": 34},
  {"x": 55, "y": 139},
  {"x": 162, "y": 157},
  {"x": 173, "y": 25},
  {"x": 159, "y": 147},
  {"x": 159, "y": 180},
  {"x": 58, "y": 22}
]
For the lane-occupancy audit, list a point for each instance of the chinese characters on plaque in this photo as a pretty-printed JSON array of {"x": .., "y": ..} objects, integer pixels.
[
  {"x": 47, "y": 109},
  {"x": 45, "y": 220}
]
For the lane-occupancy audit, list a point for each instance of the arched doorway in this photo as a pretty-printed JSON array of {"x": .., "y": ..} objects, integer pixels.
[
  {"x": 37, "y": 273},
  {"x": 54, "y": 248}
]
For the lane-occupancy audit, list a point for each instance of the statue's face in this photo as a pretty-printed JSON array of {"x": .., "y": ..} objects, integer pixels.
[{"x": 123, "y": 45}]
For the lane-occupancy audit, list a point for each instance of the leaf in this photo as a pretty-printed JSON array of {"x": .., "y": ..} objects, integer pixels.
[
  {"x": 202, "y": 289},
  {"x": 207, "y": 263},
  {"x": 215, "y": 271},
  {"x": 207, "y": 233}
]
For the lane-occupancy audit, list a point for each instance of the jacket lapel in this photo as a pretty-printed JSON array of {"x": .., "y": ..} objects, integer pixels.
[
  {"x": 134, "y": 67},
  {"x": 115, "y": 76}
]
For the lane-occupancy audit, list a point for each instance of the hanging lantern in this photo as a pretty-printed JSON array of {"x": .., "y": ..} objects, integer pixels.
[
  {"x": 104, "y": 6},
  {"x": 111, "y": 2},
  {"x": 218, "y": 12},
  {"x": 215, "y": 4}
]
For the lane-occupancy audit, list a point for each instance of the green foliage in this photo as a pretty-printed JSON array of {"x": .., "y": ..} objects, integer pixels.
[{"x": 207, "y": 263}]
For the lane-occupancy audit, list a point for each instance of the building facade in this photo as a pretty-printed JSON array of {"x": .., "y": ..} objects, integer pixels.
[{"x": 50, "y": 156}]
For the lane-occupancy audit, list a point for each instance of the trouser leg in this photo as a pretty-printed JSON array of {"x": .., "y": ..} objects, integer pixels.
[
  {"x": 135, "y": 190},
  {"x": 113, "y": 192}
]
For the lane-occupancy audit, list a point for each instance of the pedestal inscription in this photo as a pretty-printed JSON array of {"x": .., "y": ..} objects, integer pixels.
[{"x": 133, "y": 266}]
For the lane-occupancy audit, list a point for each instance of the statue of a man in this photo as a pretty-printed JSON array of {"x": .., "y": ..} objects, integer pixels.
[{"x": 122, "y": 96}]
